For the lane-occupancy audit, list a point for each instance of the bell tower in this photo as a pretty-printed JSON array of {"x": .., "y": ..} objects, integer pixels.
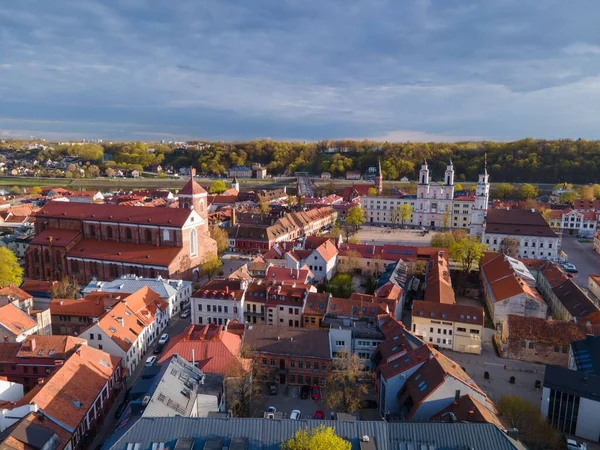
[
  {"x": 193, "y": 196},
  {"x": 482, "y": 198}
]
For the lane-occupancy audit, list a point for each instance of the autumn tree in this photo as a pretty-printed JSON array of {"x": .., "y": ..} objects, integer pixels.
[
  {"x": 446, "y": 219},
  {"x": 442, "y": 240},
  {"x": 92, "y": 171},
  {"x": 319, "y": 438},
  {"x": 67, "y": 287},
  {"x": 221, "y": 237},
  {"x": 372, "y": 192},
  {"x": 504, "y": 190},
  {"x": 345, "y": 390},
  {"x": 217, "y": 187},
  {"x": 510, "y": 247},
  {"x": 534, "y": 429},
  {"x": 263, "y": 207},
  {"x": 355, "y": 217},
  {"x": 529, "y": 191},
  {"x": 15, "y": 190},
  {"x": 467, "y": 252},
  {"x": 243, "y": 387},
  {"x": 211, "y": 266},
  {"x": 110, "y": 172},
  {"x": 350, "y": 262},
  {"x": 586, "y": 192},
  {"x": 406, "y": 211},
  {"x": 10, "y": 269},
  {"x": 458, "y": 187},
  {"x": 568, "y": 197},
  {"x": 36, "y": 190}
]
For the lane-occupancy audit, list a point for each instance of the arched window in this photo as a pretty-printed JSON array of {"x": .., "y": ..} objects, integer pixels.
[
  {"x": 186, "y": 206},
  {"x": 201, "y": 206},
  {"x": 166, "y": 235},
  {"x": 128, "y": 234},
  {"x": 109, "y": 232},
  {"x": 148, "y": 235},
  {"x": 193, "y": 243}
]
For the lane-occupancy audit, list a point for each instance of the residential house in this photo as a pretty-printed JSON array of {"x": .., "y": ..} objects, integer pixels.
[
  {"x": 211, "y": 348},
  {"x": 16, "y": 324},
  {"x": 315, "y": 308},
  {"x": 218, "y": 302},
  {"x": 239, "y": 172},
  {"x": 284, "y": 275},
  {"x": 292, "y": 356},
  {"x": 509, "y": 288},
  {"x": 176, "y": 293},
  {"x": 34, "y": 431},
  {"x": 573, "y": 222},
  {"x": 566, "y": 299},
  {"x": 449, "y": 326},
  {"x": 321, "y": 260},
  {"x": 536, "y": 238},
  {"x": 541, "y": 340},
  {"x": 72, "y": 316},
  {"x": 77, "y": 397}
]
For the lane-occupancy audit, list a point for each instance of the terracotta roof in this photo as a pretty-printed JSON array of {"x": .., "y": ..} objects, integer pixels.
[
  {"x": 214, "y": 349},
  {"x": 312, "y": 242},
  {"x": 467, "y": 409},
  {"x": 517, "y": 222},
  {"x": 192, "y": 187},
  {"x": 123, "y": 325},
  {"x": 146, "y": 254},
  {"x": 284, "y": 274},
  {"x": 105, "y": 212},
  {"x": 404, "y": 361},
  {"x": 593, "y": 205},
  {"x": 356, "y": 308},
  {"x": 8, "y": 351},
  {"x": 83, "y": 307},
  {"x": 438, "y": 287},
  {"x": 32, "y": 286},
  {"x": 12, "y": 292},
  {"x": 15, "y": 320},
  {"x": 228, "y": 289},
  {"x": 31, "y": 424},
  {"x": 327, "y": 250},
  {"x": 58, "y": 347},
  {"x": 146, "y": 302},
  {"x": 504, "y": 281},
  {"x": 277, "y": 340},
  {"x": 553, "y": 274},
  {"x": 316, "y": 303},
  {"x": 555, "y": 332},
  {"x": 574, "y": 299},
  {"x": 68, "y": 394},
  {"x": 56, "y": 237},
  {"x": 451, "y": 312},
  {"x": 593, "y": 277},
  {"x": 464, "y": 198}
]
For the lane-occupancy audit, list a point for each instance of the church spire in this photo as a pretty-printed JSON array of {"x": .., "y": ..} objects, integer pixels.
[{"x": 485, "y": 162}]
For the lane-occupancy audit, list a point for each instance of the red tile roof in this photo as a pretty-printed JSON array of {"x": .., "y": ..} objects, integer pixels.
[
  {"x": 593, "y": 205},
  {"x": 503, "y": 280},
  {"x": 327, "y": 250},
  {"x": 82, "y": 307},
  {"x": 70, "y": 391},
  {"x": 146, "y": 254},
  {"x": 556, "y": 332},
  {"x": 56, "y": 237},
  {"x": 284, "y": 274},
  {"x": 214, "y": 349},
  {"x": 58, "y": 347},
  {"x": 38, "y": 286},
  {"x": 192, "y": 187},
  {"x": 438, "y": 287},
  {"x": 15, "y": 320},
  {"x": 451, "y": 312},
  {"x": 12, "y": 292},
  {"x": 356, "y": 308},
  {"x": 316, "y": 303},
  {"x": 123, "y": 325},
  {"x": 114, "y": 213},
  {"x": 8, "y": 351},
  {"x": 467, "y": 409}
]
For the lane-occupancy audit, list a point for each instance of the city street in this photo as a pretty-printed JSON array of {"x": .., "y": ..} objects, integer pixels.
[{"x": 583, "y": 256}]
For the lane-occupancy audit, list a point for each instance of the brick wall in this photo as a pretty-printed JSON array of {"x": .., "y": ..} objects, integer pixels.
[{"x": 541, "y": 352}]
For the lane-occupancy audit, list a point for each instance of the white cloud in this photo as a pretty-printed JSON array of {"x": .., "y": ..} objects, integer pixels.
[{"x": 581, "y": 48}]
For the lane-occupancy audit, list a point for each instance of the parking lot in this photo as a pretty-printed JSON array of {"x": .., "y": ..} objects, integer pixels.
[
  {"x": 583, "y": 256},
  {"x": 288, "y": 399},
  {"x": 398, "y": 236}
]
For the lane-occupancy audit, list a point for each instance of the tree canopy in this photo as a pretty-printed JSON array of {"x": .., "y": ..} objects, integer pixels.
[
  {"x": 320, "y": 438},
  {"x": 467, "y": 252},
  {"x": 217, "y": 187},
  {"x": 211, "y": 266},
  {"x": 10, "y": 270},
  {"x": 345, "y": 388},
  {"x": 221, "y": 236}
]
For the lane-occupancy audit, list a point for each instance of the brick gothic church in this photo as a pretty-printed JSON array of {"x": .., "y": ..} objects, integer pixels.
[{"x": 106, "y": 241}]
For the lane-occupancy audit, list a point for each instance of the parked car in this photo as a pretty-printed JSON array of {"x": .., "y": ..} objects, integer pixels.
[
  {"x": 570, "y": 268},
  {"x": 320, "y": 415},
  {"x": 572, "y": 444},
  {"x": 158, "y": 348},
  {"x": 315, "y": 393},
  {"x": 273, "y": 389},
  {"x": 296, "y": 414},
  {"x": 150, "y": 361},
  {"x": 163, "y": 339},
  {"x": 185, "y": 314},
  {"x": 305, "y": 392}
]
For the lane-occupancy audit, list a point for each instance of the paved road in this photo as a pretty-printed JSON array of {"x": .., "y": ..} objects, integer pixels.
[
  {"x": 583, "y": 256},
  {"x": 386, "y": 235}
]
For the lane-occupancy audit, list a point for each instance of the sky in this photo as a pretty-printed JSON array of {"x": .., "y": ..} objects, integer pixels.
[{"x": 397, "y": 70}]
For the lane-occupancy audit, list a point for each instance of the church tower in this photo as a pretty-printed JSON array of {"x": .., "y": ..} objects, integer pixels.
[
  {"x": 449, "y": 176},
  {"x": 379, "y": 179},
  {"x": 480, "y": 207},
  {"x": 235, "y": 184},
  {"x": 424, "y": 174},
  {"x": 193, "y": 196}
]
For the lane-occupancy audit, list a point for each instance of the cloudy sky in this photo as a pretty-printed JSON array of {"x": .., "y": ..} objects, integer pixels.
[{"x": 300, "y": 69}]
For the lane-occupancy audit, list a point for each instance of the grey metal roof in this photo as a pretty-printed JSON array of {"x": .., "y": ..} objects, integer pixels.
[
  {"x": 129, "y": 284},
  {"x": 267, "y": 434},
  {"x": 587, "y": 354},
  {"x": 585, "y": 385}
]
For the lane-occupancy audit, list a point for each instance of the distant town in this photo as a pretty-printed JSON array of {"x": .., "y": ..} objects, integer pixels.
[{"x": 446, "y": 292}]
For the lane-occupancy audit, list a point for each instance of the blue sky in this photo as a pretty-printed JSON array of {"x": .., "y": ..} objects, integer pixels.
[{"x": 300, "y": 69}]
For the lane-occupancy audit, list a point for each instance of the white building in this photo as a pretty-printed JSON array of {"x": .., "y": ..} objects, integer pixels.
[
  {"x": 580, "y": 223},
  {"x": 322, "y": 261},
  {"x": 175, "y": 292},
  {"x": 535, "y": 237},
  {"x": 219, "y": 302}
]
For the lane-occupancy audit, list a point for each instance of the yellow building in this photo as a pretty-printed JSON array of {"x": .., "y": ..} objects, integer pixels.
[{"x": 449, "y": 326}]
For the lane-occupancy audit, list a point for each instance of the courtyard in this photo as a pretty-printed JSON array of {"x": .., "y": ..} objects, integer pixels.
[{"x": 397, "y": 236}]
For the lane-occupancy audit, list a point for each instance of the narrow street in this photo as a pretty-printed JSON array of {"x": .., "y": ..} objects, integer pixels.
[{"x": 176, "y": 326}]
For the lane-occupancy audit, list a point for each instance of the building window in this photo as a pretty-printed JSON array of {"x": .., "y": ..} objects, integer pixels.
[
  {"x": 109, "y": 232},
  {"x": 307, "y": 365},
  {"x": 193, "y": 242},
  {"x": 272, "y": 363},
  {"x": 148, "y": 233},
  {"x": 166, "y": 235},
  {"x": 128, "y": 234},
  {"x": 531, "y": 345}
]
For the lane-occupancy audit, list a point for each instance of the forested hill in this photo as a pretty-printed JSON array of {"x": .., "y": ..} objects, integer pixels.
[{"x": 527, "y": 160}]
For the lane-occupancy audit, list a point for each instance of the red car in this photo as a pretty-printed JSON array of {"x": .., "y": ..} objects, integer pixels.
[
  {"x": 319, "y": 415},
  {"x": 315, "y": 393}
]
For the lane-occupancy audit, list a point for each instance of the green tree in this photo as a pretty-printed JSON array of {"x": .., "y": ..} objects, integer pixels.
[
  {"x": 534, "y": 430},
  {"x": 217, "y": 187},
  {"x": 509, "y": 246},
  {"x": 263, "y": 207},
  {"x": 36, "y": 190},
  {"x": 442, "y": 240},
  {"x": 211, "y": 266},
  {"x": 568, "y": 197},
  {"x": 320, "y": 438},
  {"x": 335, "y": 231},
  {"x": 92, "y": 171},
  {"x": 372, "y": 192},
  {"x": 221, "y": 237},
  {"x": 529, "y": 191},
  {"x": 467, "y": 252},
  {"x": 505, "y": 190},
  {"x": 15, "y": 190},
  {"x": 446, "y": 219},
  {"x": 355, "y": 217},
  {"x": 345, "y": 390},
  {"x": 67, "y": 287},
  {"x": 10, "y": 270}
]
